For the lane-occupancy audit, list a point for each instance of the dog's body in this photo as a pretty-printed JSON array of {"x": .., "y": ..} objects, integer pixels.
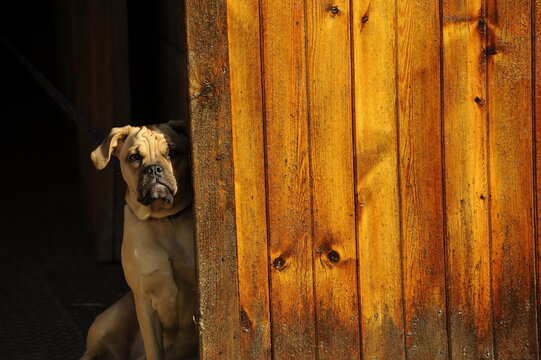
[{"x": 157, "y": 249}]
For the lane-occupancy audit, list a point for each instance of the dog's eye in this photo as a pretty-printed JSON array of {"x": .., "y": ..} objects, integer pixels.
[
  {"x": 134, "y": 157},
  {"x": 173, "y": 153}
]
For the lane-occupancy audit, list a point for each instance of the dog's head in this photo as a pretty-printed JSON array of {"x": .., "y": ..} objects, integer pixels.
[{"x": 154, "y": 162}]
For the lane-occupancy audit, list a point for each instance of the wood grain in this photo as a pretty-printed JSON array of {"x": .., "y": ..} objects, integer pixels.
[
  {"x": 510, "y": 118},
  {"x": 421, "y": 179},
  {"x": 377, "y": 181},
  {"x": 466, "y": 179},
  {"x": 354, "y": 213},
  {"x": 536, "y": 23},
  {"x": 219, "y": 313},
  {"x": 250, "y": 196},
  {"x": 331, "y": 159},
  {"x": 288, "y": 179}
]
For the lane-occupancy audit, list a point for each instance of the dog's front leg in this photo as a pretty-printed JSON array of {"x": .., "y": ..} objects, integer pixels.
[{"x": 151, "y": 327}]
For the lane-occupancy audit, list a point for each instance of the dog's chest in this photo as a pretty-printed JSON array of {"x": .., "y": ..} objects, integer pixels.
[
  {"x": 176, "y": 237},
  {"x": 149, "y": 244}
]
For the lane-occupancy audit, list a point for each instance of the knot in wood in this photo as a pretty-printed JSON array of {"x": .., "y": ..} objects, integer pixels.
[
  {"x": 279, "y": 263},
  {"x": 490, "y": 50},
  {"x": 333, "y": 256},
  {"x": 482, "y": 25},
  {"x": 207, "y": 89}
]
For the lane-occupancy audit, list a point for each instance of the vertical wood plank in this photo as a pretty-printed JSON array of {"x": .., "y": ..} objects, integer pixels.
[
  {"x": 331, "y": 159},
  {"x": 250, "y": 196},
  {"x": 119, "y": 95},
  {"x": 378, "y": 213},
  {"x": 536, "y": 23},
  {"x": 208, "y": 73},
  {"x": 288, "y": 182},
  {"x": 97, "y": 57},
  {"x": 466, "y": 180},
  {"x": 510, "y": 143},
  {"x": 421, "y": 178}
]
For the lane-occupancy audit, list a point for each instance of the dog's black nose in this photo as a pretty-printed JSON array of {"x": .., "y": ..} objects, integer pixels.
[{"x": 153, "y": 170}]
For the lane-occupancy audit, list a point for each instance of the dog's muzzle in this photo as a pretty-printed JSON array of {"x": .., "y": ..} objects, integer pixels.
[{"x": 153, "y": 185}]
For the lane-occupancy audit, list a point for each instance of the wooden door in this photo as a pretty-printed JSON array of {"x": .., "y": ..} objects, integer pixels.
[{"x": 366, "y": 178}]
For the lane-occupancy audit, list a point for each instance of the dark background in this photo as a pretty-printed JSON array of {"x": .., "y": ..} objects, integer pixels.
[{"x": 51, "y": 285}]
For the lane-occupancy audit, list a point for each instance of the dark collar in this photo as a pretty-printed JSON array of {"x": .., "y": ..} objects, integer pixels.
[{"x": 174, "y": 216}]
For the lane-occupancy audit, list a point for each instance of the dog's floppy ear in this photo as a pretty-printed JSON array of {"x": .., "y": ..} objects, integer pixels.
[{"x": 102, "y": 154}]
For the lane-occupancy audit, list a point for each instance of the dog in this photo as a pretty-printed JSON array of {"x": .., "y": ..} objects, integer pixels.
[{"x": 155, "y": 319}]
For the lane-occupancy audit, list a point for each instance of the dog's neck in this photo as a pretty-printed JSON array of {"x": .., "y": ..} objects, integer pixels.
[{"x": 160, "y": 209}]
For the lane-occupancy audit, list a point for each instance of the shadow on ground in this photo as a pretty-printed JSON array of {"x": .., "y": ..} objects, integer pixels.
[{"x": 50, "y": 286}]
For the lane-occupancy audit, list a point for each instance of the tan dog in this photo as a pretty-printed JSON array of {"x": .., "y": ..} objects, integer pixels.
[{"x": 157, "y": 248}]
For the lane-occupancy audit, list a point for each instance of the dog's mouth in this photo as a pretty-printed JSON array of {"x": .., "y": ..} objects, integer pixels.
[{"x": 155, "y": 190}]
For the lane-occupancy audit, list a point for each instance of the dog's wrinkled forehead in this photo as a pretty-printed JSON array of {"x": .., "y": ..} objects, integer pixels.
[
  {"x": 154, "y": 141},
  {"x": 148, "y": 142}
]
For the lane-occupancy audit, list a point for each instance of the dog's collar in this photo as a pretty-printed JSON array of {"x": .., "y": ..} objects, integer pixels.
[
  {"x": 174, "y": 216},
  {"x": 177, "y": 214},
  {"x": 145, "y": 212}
]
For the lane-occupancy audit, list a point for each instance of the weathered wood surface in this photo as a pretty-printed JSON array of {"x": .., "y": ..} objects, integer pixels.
[
  {"x": 466, "y": 179},
  {"x": 334, "y": 249},
  {"x": 377, "y": 180},
  {"x": 210, "y": 109},
  {"x": 510, "y": 112},
  {"x": 250, "y": 196},
  {"x": 288, "y": 179},
  {"x": 537, "y": 117},
  {"x": 420, "y": 159},
  {"x": 386, "y": 178}
]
